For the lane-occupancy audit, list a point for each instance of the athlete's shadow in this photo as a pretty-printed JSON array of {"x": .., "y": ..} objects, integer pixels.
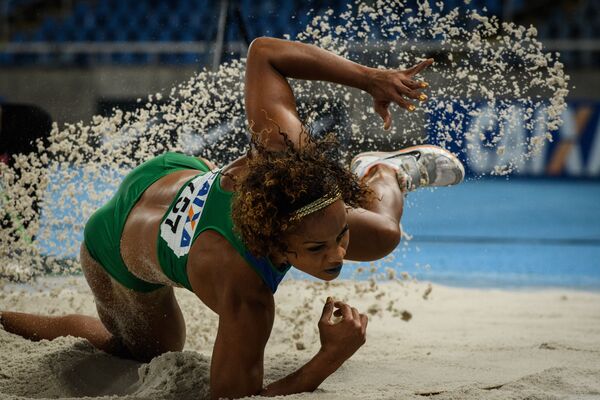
[
  {"x": 96, "y": 374},
  {"x": 180, "y": 375}
]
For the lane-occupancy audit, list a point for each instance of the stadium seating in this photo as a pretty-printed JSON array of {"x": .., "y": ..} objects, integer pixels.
[{"x": 117, "y": 21}]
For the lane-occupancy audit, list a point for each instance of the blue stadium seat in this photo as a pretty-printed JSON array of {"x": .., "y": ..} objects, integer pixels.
[
  {"x": 80, "y": 10},
  {"x": 189, "y": 58},
  {"x": 79, "y": 34},
  {"x": 7, "y": 58},
  {"x": 49, "y": 29},
  {"x": 18, "y": 37},
  {"x": 186, "y": 35},
  {"x": 143, "y": 58},
  {"x": 123, "y": 58},
  {"x": 37, "y": 36},
  {"x": 143, "y": 35},
  {"x": 164, "y": 35},
  {"x": 196, "y": 20}
]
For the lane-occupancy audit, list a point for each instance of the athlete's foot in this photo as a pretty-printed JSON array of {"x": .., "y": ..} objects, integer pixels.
[{"x": 418, "y": 166}]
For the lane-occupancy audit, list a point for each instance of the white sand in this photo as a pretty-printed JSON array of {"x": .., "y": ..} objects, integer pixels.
[{"x": 459, "y": 344}]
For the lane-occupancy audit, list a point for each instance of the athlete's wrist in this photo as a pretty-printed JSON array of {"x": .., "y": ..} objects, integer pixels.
[
  {"x": 365, "y": 80},
  {"x": 329, "y": 360},
  {"x": 307, "y": 378}
]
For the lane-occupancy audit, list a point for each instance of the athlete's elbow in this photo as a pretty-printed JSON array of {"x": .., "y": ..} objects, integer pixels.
[
  {"x": 263, "y": 47},
  {"x": 258, "y": 46}
]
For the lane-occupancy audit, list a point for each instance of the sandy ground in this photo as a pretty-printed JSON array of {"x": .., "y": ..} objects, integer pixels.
[{"x": 453, "y": 344}]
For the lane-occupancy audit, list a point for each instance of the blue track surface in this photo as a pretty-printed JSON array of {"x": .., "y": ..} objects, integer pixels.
[{"x": 498, "y": 233}]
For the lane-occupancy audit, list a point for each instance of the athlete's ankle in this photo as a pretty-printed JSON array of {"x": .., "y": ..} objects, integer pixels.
[
  {"x": 384, "y": 176},
  {"x": 379, "y": 171}
]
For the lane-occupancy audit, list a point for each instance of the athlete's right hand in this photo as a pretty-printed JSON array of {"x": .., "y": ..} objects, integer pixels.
[
  {"x": 388, "y": 86},
  {"x": 342, "y": 339}
]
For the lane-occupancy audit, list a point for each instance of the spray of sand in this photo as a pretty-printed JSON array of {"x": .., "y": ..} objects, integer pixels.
[{"x": 485, "y": 73}]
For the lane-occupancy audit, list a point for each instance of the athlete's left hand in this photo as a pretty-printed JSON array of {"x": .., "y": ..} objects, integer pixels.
[{"x": 388, "y": 86}]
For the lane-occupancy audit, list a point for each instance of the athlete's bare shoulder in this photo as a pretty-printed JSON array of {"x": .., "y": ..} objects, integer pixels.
[
  {"x": 231, "y": 172},
  {"x": 216, "y": 270}
]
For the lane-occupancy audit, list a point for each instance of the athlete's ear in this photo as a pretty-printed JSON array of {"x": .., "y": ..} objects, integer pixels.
[
  {"x": 284, "y": 263},
  {"x": 281, "y": 260}
]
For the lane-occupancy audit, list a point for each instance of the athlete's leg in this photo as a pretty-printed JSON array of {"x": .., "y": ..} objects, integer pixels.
[
  {"x": 376, "y": 232},
  {"x": 37, "y": 327},
  {"x": 147, "y": 324},
  {"x": 132, "y": 324},
  {"x": 375, "y": 229}
]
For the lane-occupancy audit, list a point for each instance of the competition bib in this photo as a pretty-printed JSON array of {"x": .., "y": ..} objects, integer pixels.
[{"x": 178, "y": 228}]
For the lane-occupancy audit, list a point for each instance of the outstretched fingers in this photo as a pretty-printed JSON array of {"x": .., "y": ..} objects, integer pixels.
[
  {"x": 403, "y": 102},
  {"x": 396, "y": 86},
  {"x": 415, "y": 69},
  {"x": 414, "y": 85},
  {"x": 414, "y": 89},
  {"x": 382, "y": 108}
]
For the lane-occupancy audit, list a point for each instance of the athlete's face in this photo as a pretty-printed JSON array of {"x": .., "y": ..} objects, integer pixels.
[{"x": 318, "y": 245}]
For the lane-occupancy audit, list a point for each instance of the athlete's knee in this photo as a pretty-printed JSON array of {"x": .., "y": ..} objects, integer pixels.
[
  {"x": 388, "y": 237},
  {"x": 144, "y": 345}
]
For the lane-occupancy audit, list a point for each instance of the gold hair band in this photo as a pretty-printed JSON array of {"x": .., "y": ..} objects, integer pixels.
[{"x": 317, "y": 205}]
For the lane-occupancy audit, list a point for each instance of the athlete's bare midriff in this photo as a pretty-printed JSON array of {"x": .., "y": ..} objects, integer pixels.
[{"x": 140, "y": 233}]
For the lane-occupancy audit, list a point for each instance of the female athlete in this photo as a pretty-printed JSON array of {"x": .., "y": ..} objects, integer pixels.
[{"x": 230, "y": 234}]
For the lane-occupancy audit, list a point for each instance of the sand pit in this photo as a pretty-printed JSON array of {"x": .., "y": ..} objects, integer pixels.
[{"x": 459, "y": 344}]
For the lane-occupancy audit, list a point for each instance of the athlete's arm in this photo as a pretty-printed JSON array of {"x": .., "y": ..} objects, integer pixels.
[
  {"x": 245, "y": 323},
  {"x": 246, "y": 311},
  {"x": 244, "y": 328},
  {"x": 338, "y": 343},
  {"x": 269, "y": 97}
]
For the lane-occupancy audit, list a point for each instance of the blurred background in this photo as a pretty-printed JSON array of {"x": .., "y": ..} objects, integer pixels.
[{"x": 67, "y": 60}]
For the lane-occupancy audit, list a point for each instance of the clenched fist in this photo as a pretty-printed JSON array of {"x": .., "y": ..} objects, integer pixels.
[{"x": 340, "y": 340}]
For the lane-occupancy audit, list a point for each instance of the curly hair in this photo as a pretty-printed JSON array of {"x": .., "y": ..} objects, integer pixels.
[{"x": 277, "y": 183}]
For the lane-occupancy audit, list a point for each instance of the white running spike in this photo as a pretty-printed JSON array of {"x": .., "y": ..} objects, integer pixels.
[{"x": 417, "y": 166}]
